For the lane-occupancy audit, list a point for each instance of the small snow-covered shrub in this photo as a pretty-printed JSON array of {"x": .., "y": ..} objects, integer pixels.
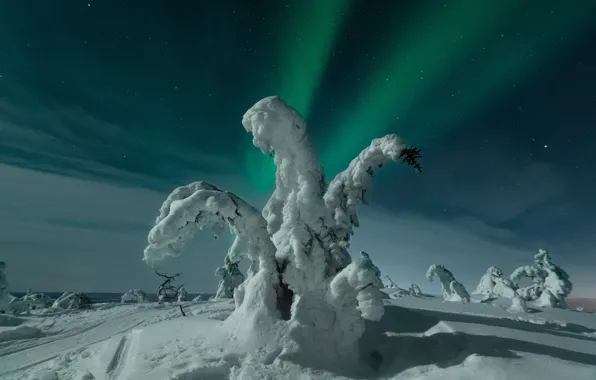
[
  {"x": 452, "y": 289},
  {"x": 414, "y": 290},
  {"x": 231, "y": 278},
  {"x": 70, "y": 300},
  {"x": 134, "y": 296},
  {"x": 182, "y": 294}
]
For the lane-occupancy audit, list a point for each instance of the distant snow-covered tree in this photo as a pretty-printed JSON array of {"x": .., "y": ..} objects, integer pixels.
[
  {"x": 4, "y": 289},
  {"x": 182, "y": 294},
  {"x": 231, "y": 278},
  {"x": 36, "y": 300},
  {"x": 134, "y": 295},
  {"x": 414, "y": 290},
  {"x": 394, "y": 290},
  {"x": 302, "y": 282},
  {"x": 494, "y": 284},
  {"x": 452, "y": 289},
  {"x": 167, "y": 290},
  {"x": 550, "y": 283},
  {"x": 70, "y": 300}
]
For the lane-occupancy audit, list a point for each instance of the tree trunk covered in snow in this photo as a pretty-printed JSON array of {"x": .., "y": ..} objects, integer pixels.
[
  {"x": 4, "y": 289},
  {"x": 302, "y": 283}
]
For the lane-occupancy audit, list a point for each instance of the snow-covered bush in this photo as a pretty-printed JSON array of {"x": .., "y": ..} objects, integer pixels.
[
  {"x": 182, "y": 294},
  {"x": 231, "y": 278},
  {"x": 4, "y": 289},
  {"x": 452, "y": 289},
  {"x": 134, "y": 296},
  {"x": 70, "y": 300},
  {"x": 414, "y": 290},
  {"x": 393, "y": 290},
  {"x": 494, "y": 284},
  {"x": 302, "y": 282},
  {"x": 550, "y": 283},
  {"x": 167, "y": 290}
]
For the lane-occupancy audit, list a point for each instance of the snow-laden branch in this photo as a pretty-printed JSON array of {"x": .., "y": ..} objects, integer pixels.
[
  {"x": 199, "y": 205},
  {"x": 347, "y": 190}
]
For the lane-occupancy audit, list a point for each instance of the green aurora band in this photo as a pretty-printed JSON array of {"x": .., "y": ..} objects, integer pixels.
[
  {"x": 306, "y": 45},
  {"x": 417, "y": 60},
  {"x": 421, "y": 63}
]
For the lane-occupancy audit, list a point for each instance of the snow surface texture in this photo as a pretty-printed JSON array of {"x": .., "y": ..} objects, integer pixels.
[
  {"x": 302, "y": 293},
  {"x": 134, "y": 295},
  {"x": 4, "y": 289},
  {"x": 550, "y": 283},
  {"x": 231, "y": 278},
  {"x": 417, "y": 339},
  {"x": 452, "y": 289}
]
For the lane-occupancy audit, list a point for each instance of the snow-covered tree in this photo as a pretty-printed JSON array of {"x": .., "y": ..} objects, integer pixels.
[
  {"x": 414, "y": 290},
  {"x": 452, "y": 289},
  {"x": 167, "y": 290},
  {"x": 494, "y": 284},
  {"x": 550, "y": 283},
  {"x": 182, "y": 294},
  {"x": 70, "y": 300},
  {"x": 302, "y": 283},
  {"x": 4, "y": 289},
  {"x": 36, "y": 300},
  {"x": 231, "y": 278},
  {"x": 134, "y": 295},
  {"x": 394, "y": 290}
]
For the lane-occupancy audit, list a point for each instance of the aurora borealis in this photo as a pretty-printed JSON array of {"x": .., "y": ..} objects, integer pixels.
[{"x": 147, "y": 95}]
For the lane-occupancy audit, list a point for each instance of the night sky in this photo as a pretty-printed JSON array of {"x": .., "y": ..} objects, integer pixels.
[{"x": 106, "y": 106}]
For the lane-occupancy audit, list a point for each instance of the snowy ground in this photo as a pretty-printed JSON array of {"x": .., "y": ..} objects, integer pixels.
[{"x": 417, "y": 339}]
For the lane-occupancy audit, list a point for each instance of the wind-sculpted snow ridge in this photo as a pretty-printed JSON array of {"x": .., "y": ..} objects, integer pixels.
[
  {"x": 301, "y": 272},
  {"x": 452, "y": 289},
  {"x": 231, "y": 278},
  {"x": 4, "y": 289},
  {"x": 550, "y": 283}
]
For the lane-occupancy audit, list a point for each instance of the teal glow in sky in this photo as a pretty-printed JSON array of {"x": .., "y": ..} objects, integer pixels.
[{"x": 138, "y": 100}]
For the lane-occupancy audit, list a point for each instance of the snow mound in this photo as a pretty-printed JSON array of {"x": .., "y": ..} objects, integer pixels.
[
  {"x": 9, "y": 320},
  {"x": 21, "y": 332}
]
